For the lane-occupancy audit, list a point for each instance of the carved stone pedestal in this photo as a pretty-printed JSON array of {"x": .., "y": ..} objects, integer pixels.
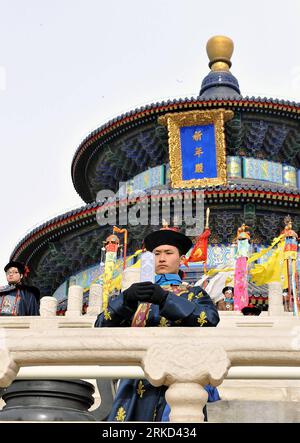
[{"x": 186, "y": 370}]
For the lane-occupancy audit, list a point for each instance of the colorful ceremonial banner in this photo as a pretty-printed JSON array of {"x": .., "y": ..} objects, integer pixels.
[
  {"x": 241, "y": 298},
  {"x": 110, "y": 263},
  {"x": 199, "y": 251},
  {"x": 197, "y": 147}
]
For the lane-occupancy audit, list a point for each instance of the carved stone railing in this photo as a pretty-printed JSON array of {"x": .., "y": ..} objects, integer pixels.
[{"x": 184, "y": 359}]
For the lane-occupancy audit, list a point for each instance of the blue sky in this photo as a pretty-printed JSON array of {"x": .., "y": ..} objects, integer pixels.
[{"x": 66, "y": 67}]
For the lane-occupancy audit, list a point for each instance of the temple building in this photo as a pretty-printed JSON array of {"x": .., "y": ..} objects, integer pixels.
[{"x": 131, "y": 153}]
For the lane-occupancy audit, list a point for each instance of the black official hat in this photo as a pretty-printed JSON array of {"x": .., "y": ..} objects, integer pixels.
[
  {"x": 251, "y": 310},
  {"x": 167, "y": 236},
  {"x": 228, "y": 288},
  {"x": 15, "y": 264}
]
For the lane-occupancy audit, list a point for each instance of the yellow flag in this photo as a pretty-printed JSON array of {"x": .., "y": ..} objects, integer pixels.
[
  {"x": 259, "y": 254},
  {"x": 273, "y": 270}
]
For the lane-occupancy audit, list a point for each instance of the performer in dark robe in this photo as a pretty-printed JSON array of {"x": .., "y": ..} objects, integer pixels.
[
  {"x": 166, "y": 303},
  {"x": 18, "y": 298}
]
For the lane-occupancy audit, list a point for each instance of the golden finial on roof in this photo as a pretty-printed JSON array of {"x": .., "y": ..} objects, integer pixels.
[{"x": 219, "y": 49}]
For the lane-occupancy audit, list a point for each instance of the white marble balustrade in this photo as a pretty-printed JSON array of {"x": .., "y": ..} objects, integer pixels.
[{"x": 191, "y": 359}]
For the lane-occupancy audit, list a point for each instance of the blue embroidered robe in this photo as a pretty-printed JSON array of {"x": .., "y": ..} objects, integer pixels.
[
  {"x": 138, "y": 400},
  {"x": 19, "y": 300}
]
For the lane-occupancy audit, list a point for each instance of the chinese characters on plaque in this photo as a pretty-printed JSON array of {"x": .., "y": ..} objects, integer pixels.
[{"x": 197, "y": 147}]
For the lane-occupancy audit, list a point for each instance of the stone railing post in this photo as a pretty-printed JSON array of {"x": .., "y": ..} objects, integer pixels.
[
  {"x": 186, "y": 371},
  {"x": 275, "y": 299},
  {"x": 186, "y": 401},
  {"x": 95, "y": 300},
  {"x": 48, "y": 306},
  {"x": 75, "y": 297}
]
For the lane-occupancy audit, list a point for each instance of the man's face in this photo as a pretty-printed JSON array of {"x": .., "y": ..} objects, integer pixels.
[
  {"x": 228, "y": 293},
  {"x": 13, "y": 276},
  {"x": 167, "y": 259}
]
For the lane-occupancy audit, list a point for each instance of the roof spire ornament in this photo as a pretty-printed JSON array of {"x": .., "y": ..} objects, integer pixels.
[
  {"x": 219, "y": 49},
  {"x": 220, "y": 83}
]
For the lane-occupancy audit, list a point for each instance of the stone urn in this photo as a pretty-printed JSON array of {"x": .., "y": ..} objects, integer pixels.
[{"x": 48, "y": 400}]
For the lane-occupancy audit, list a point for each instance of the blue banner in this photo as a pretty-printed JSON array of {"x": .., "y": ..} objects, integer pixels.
[{"x": 198, "y": 152}]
